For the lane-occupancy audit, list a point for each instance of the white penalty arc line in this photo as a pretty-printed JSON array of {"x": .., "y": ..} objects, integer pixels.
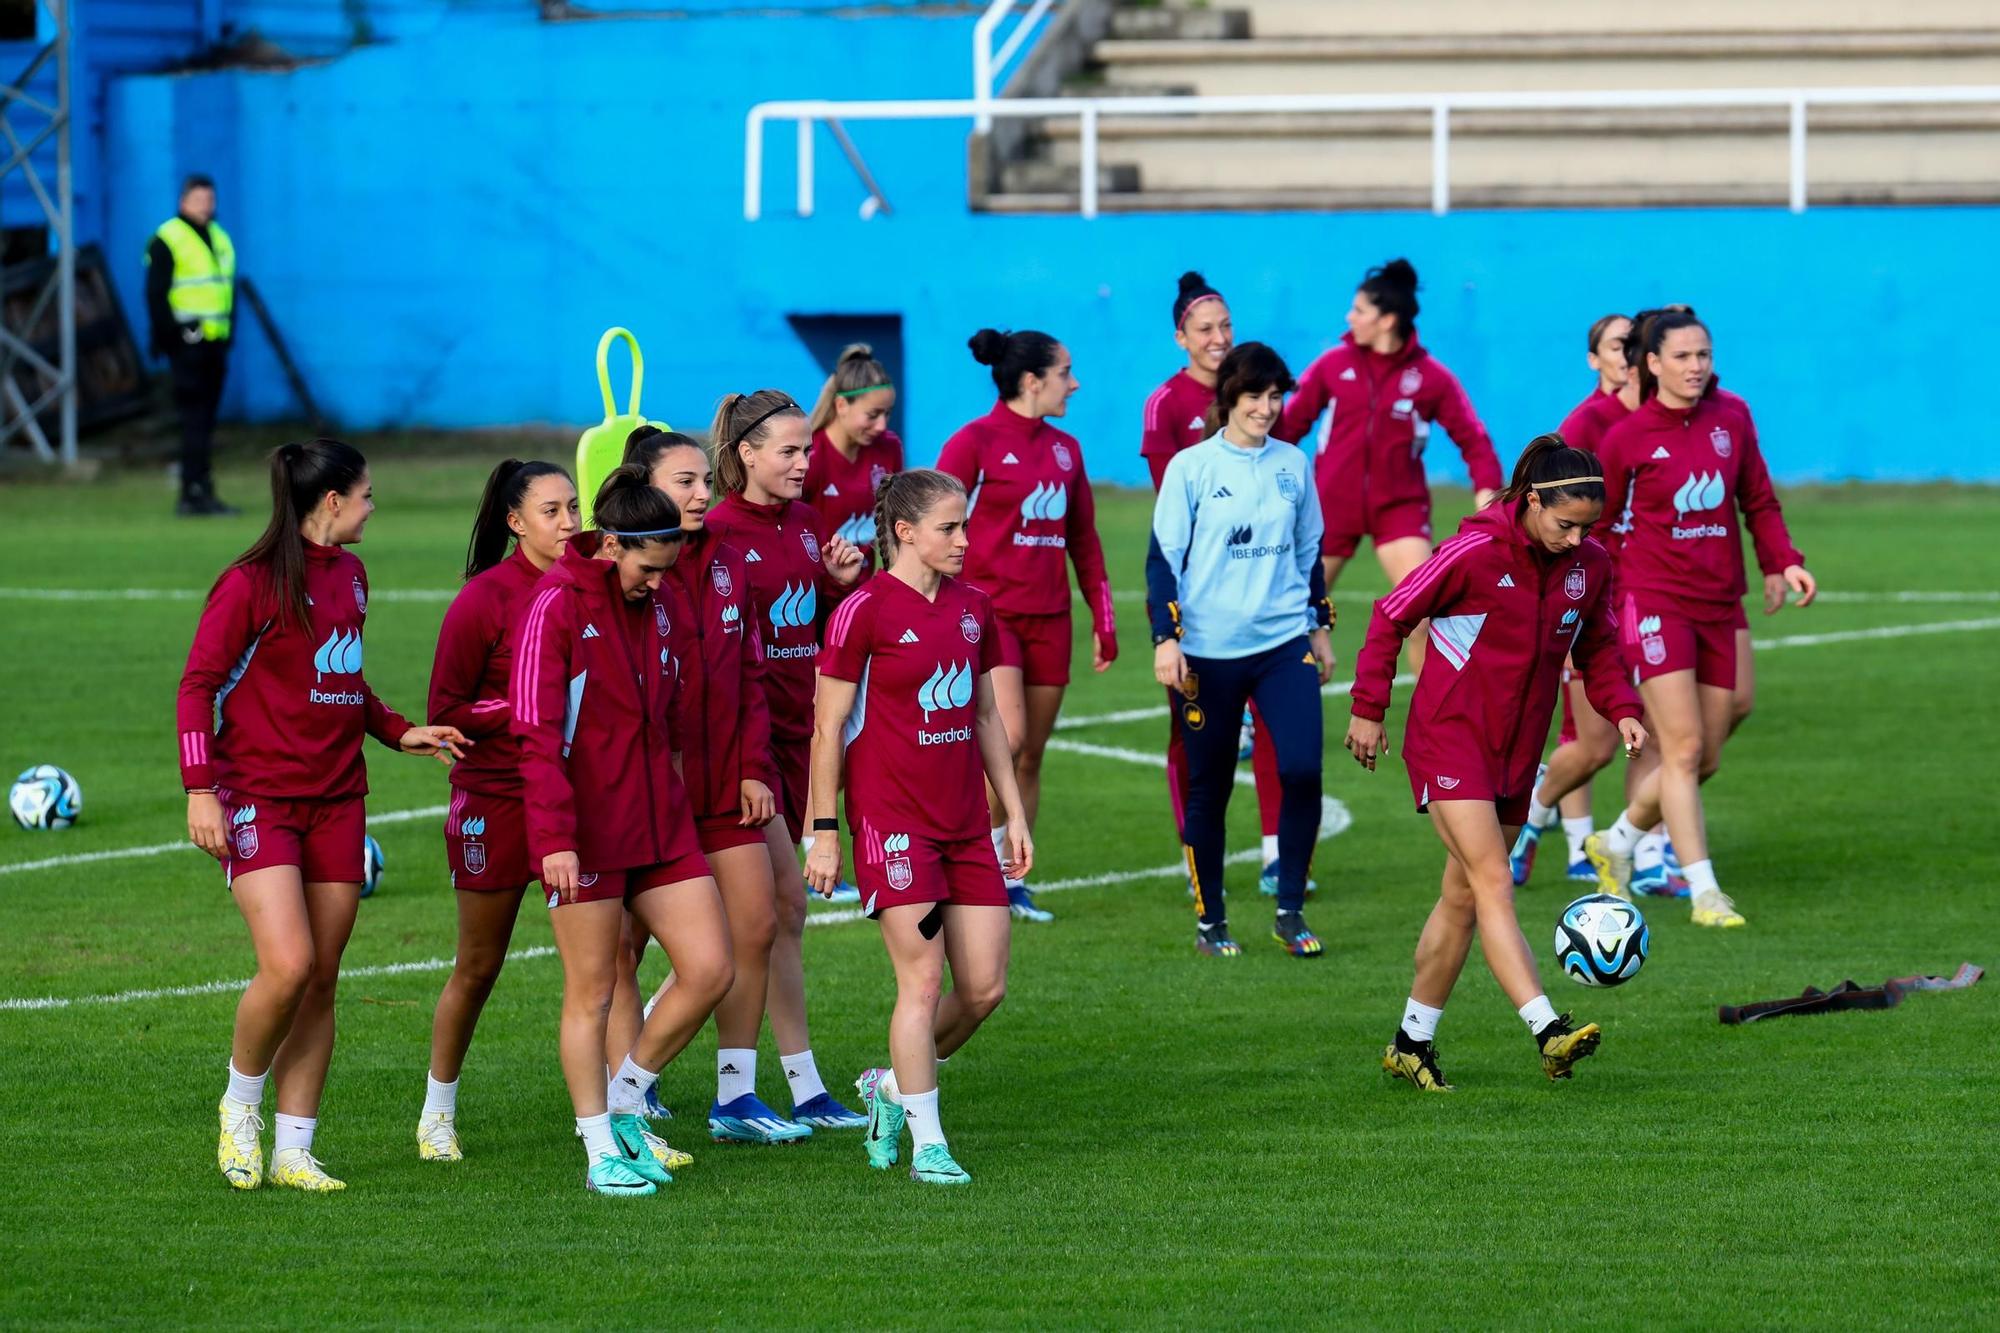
[{"x": 162, "y": 848}]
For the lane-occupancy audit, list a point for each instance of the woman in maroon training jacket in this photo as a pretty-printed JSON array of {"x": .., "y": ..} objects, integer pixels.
[
  {"x": 485, "y": 830},
  {"x": 1383, "y": 391},
  {"x": 1686, "y": 463},
  {"x": 597, "y": 709},
  {"x": 271, "y": 713},
  {"x": 1520, "y": 586},
  {"x": 759, "y": 445},
  {"x": 1031, "y": 514}
]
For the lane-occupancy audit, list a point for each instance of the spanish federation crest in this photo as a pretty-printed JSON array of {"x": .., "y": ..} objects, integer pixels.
[
  {"x": 1573, "y": 584},
  {"x": 968, "y": 625},
  {"x": 475, "y": 857},
  {"x": 1719, "y": 437},
  {"x": 1288, "y": 486},
  {"x": 1063, "y": 458},
  {"x": 246, "y": 842},
  {"x": 660, "y": 621},
  {"x": 361, "y": 593},
  {"x": 1412, "y": 380},
  {"x": 811, "y": 543},
  {"x": 901, "y": 876},
  {"x": 719, "y": 575}
]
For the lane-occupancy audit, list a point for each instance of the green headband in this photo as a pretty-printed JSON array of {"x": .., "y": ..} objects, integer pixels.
[{"x": 866, "y": 388}]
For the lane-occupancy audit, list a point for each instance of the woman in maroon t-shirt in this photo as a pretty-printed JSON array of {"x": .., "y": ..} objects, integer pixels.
[
  {"x": 905, "y": 690},
  {"x": 853, "y": 449}
]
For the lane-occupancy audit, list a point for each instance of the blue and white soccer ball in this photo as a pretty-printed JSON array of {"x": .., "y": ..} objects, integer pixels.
[
  {"x": 371, "y": 865},
  {"x": 45, "y": 797},
  {"x": 1601, "y": 940}
]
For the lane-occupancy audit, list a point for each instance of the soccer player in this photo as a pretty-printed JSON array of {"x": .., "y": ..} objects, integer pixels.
[
  {"x": 272, "y": 709},
  {"x": 906, "y": 712},
  {"x": 1239, "y": 613},
  {"x": 1687, "y": 462},
  {"x": 597, "y": 708},
  {"x": 1384, "y": 390},
  {"x": 1030, "y": 513},
  {"x": 758, "y": 446},
  {"x": 853, "y": 449},
  {"x": 1586, "y": 743},
  {"x": 533, "y": 504},
  {"x": 1177, "y": 419},
  {"x": 1517, "y": 588}
]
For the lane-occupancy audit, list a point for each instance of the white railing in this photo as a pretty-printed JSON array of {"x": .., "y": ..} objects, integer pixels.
[
  {"x": 1089, "y": 110},
  {"x": 988, "y": 64}
]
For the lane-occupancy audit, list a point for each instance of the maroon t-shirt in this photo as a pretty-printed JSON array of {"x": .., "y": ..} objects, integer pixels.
[{"x": 912, "y": 756}]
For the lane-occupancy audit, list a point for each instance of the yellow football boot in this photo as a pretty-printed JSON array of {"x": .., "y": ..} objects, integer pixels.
[
  {"x": 1562, "y": 1046},
  {"x": 1713, "y": 908},
  {"x": 297, "y": 1168},
  {"x": 437, "y": 1138},
  {"x": 240, "y": 1152},
  {"x": 1415, "y": 1063}
]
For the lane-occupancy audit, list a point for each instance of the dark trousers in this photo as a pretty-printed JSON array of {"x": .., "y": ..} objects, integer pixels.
[
  {"x": 1284, "y": 683},
  {"x": 198, "y": 372}
]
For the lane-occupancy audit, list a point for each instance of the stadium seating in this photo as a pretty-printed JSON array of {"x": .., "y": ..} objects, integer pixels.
[{"x": 1857, "y": 154}]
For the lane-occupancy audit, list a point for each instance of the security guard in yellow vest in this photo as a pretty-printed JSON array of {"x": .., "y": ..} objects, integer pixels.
[{"x": 190, "y": 295}]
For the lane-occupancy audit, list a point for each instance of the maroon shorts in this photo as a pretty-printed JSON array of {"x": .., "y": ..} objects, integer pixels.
[
  {"x": 793, "y": 760},
  {"x": 892, "y": 869},
  {"x": 486, "y": 843},
  {"x": 1457, "y": 782},
  {"x": 601, "y": 886},
  {"x": 322, "y": 838},
  {"x": 1661, "y": 634},
  {"x": 1038, "y": 645},
  {"x": 719, "y": 833},
  {"x": 1385, "y": 523}
]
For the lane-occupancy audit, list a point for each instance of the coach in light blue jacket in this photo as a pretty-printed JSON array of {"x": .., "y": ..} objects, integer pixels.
[{"x": 1240, "y": 614}]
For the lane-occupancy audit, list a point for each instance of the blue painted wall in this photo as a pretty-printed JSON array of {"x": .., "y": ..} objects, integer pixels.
[{"x": 445, "y": 222}]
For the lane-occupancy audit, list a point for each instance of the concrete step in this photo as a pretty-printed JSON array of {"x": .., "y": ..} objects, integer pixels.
[
  {"x": 1985, "y": 190},
  {"x": 1582, "y": 124},
  {"x": 1174, "y": 23},
  {"x": 1431, "y": 63},
  {"x": 1043, "y": 175},
  {"x": 1351, "y": 18}
]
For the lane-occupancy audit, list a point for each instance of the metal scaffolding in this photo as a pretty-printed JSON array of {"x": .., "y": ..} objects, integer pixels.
[{"x": 51, "y": 383}]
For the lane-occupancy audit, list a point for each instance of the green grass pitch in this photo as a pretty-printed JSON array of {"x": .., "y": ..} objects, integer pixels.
[{"x": 1157, "y": 1139}]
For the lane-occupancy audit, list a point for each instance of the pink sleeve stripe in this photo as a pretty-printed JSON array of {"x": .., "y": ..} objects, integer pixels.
[
  {"x": 194, "y": 749},
  {"x": 491, "y": 706},
  {"x": 1153, "y": 406},
  {"x": 528, "y": 662},
  {"x": 1431, "y": 570},
  {"x": 843, "y": 615}
]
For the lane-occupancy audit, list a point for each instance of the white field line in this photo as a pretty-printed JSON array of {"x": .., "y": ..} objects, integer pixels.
[
  {"x": 1880, "y": 632},
  {"x": 161, "y": 848},
  {"x": 1332, "y": 689}
]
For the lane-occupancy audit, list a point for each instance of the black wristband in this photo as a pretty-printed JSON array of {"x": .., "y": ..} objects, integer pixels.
[{"x": 826, "y": 826}]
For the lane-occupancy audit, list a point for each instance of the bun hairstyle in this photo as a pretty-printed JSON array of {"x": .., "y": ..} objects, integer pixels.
[
  {"x": 301, "y": 475},
  {"x": 1194, "y": 290},
  {"x": 740, "y": 419},
  {"x": 506, "y": 488},
  {"x": 1393, "y": 290},
  {"x": 1649, "y": 333},
  {"x": 1013, "y": 355},
  {"x": 1555, "y": 472},
  {"x": 906, "y": 497},
  {"x": 856, "y": 373},
  {"x": 632, "y": 509},
  {"x": 648, "y": 444},
  {"x": 1249, "y": 368}
]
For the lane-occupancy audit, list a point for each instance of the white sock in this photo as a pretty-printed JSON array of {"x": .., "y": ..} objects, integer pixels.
[
  {"x": 1540, "y": 816},
  {"x": 1420, "y": 1021},
  {"x": 1623, "y": 837},
  {"x": 1538, "y": 1013},
  {"x": 627, "y": 1092},
  {"x": 595, "y": 1131},
  {"x": 1700, "y": 876},
  {"x": 806, "y": 843},
  {"x": 246, "y": 1089},
  {"x": 920, "y": 1110},
  {"x": 735, "y": 1073},
  {"x": 440, "y": 1098},
  {"x": 803, "y": 1077},
  {"x": 1576, "y": 830},
  {"x": 294, "y": 1131},
  {"x": 1652, "y": 849},
  {"x": 887, "y": 1087},
  {"x": 1270, "y": 849}
]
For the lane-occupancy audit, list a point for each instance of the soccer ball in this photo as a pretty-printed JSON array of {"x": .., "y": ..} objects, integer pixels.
[
  {"x": 371, "y": 865},
  {"x": 1601, "y": 940},
  {"x": 45, "y": 797}
]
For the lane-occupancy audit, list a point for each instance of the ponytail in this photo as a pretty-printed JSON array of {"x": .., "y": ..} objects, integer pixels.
[
  {"x": 906, "y": 497},
  {"x": 1013, "y": 356},
  {"x": 300, "y": 475},
  {"x": 1555, "y": 472},
  {"x": 856, "y": 373},
  {"x": 506, "y": 488},
  {"x": 632, "y": 509},
  {"x": 648, "y": 444},
  {"x": 740, "y": 419}
]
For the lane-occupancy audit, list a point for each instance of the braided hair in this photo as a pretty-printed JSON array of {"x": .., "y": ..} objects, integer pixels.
[{"x": 906, "y": 497}]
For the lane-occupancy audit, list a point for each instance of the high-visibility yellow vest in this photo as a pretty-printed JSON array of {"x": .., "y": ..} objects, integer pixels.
[{"x": 204, "y": 285}]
